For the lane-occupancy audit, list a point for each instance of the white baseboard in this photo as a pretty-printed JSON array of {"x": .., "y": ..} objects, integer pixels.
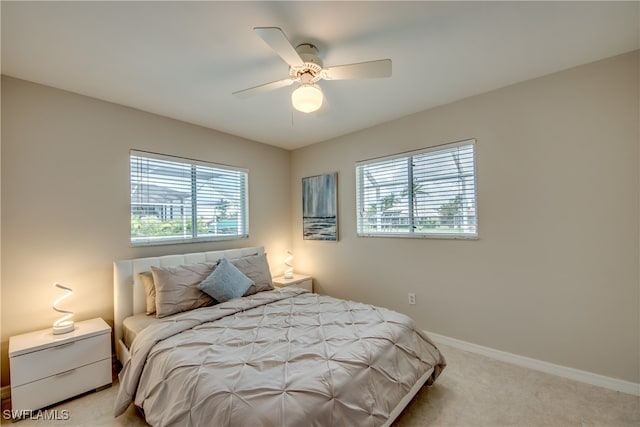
[
  {"x": 539, "y": 365},
  {"x": 5, "y": 392}
]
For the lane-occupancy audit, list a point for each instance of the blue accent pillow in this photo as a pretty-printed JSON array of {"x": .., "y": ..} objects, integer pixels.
[{"x": 225, "y": 282}]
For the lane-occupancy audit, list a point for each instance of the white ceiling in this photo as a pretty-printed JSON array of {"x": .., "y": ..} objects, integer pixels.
[{"x": 183, "y": 59}]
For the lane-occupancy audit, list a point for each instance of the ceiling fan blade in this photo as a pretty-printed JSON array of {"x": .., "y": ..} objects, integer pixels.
[
  {"x": 361, "y": 70},
  {"x": 246, "y": 93},
  {"x": 276, "y": 39}
]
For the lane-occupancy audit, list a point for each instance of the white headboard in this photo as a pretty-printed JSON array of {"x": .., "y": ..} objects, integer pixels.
[{"x": 128, "y": 291}]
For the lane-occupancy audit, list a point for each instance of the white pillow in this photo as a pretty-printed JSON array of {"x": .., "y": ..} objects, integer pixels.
[
  {"x": 256, "y": 268},
  {"x": 176, "y": 288}
]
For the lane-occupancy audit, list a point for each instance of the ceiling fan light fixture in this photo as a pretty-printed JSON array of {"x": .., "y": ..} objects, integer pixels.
[{"x": 307, "y": 98}]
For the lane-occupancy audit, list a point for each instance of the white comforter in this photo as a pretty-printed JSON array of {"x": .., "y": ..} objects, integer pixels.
[{"x": 279, "y": 358}]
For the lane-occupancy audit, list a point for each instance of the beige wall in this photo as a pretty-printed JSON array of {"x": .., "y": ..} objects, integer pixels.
[
  {"x": 554, "y": 275},
  {"x": 65, "y": 198}
]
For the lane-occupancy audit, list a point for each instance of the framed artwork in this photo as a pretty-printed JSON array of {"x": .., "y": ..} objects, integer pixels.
[{"x": 320, "y": 207}]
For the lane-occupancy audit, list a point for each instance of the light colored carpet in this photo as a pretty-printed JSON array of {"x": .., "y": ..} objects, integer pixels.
[
  {"x": 472, "y": 391},
  {"x": 478, "y": 391}
]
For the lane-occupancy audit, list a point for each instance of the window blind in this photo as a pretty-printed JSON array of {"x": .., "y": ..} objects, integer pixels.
[
  {"x": 176, "y": 200},
  {"x": 424, "y": 193}
]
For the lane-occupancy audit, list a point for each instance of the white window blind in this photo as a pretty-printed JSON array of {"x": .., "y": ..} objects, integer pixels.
[
  {"x": 425, "y": 193},
  {"x": 176, "y": 200}
]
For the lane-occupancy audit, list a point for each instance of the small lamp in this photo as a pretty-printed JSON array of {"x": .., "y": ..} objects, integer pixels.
[
  {"x": 307, "y": 98},
  {"x": 288, "y": 273},
  {"x": 64, "y": 324}
]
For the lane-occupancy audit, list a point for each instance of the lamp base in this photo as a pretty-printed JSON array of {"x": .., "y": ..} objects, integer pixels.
[
  {"x": 288, "y": 275},
  {"x": 63, "y": 328}
]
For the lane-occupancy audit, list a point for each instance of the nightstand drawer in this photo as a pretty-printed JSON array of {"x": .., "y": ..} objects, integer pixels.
[
  {"x": 46, "y": 362},
  {"x": 298, "y": 280},
  {"x": 304, "y": 284},
  {"x": 55, "y": 388}
]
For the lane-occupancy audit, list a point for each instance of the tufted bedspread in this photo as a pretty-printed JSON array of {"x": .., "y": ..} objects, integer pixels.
[{"x": 278, "y": 358}]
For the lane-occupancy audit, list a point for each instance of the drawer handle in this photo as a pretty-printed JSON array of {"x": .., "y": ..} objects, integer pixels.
[
  {"x": 66, "y": 372},
  {"x": 63, "y": 345}
]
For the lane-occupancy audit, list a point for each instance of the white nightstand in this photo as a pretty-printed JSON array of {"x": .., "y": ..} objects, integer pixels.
[
  {"x": 47, "y": 368},
  {"x": 299, "y": 280}
]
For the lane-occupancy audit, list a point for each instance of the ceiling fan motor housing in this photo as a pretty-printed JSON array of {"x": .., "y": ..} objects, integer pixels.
[{"x": 310, "y": 72}]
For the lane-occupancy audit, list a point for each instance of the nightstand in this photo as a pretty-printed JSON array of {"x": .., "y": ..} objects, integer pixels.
[
  {"x": 47, "y": 368},
  {"x": 299, "y": 280}
]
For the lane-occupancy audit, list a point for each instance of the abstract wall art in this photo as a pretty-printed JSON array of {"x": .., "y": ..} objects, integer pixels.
[{"x": 320, "y": 207}]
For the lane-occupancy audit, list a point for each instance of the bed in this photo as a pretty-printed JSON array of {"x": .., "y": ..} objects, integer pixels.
[{"x": 273, "y": 357}]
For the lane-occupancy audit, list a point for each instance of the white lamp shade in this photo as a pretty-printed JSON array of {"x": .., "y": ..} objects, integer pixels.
[{"x": 307, "y": 98}]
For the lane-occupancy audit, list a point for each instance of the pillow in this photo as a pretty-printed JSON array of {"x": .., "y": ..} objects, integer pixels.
[
  {"x": 149, "y": 291},
  {"x": 256, "y": 268},
  {"x": 226, "y": 282},
  {"x": 177, "y": 288}
]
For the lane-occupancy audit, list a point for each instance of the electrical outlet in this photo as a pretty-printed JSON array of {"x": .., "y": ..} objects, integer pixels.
[{"x": 412, "y": 298}]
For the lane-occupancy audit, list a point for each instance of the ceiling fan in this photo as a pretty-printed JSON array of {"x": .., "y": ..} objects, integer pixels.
[{"x": 305, "y": 68}]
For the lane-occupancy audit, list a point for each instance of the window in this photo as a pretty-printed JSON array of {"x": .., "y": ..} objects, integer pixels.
[
  {"x": 425, "y": 193},
  {"x": 175, "y": 200}
]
